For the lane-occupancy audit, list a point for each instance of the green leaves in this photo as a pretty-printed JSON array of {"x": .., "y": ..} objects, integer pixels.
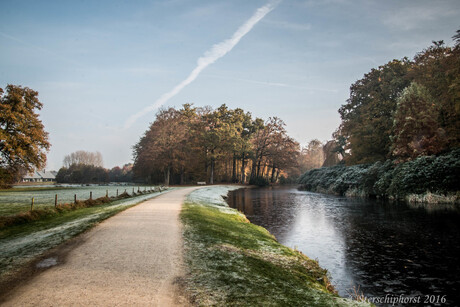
[
  {"x": 416, "y": 131},
  {"x": 367, "y": 115}
]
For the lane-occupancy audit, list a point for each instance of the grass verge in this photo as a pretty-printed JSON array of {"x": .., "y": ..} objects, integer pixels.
[{"x": 232, "y": 262}]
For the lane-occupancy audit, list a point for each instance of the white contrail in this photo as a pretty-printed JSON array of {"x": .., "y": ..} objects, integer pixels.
[{"x": 217, "y": 51}]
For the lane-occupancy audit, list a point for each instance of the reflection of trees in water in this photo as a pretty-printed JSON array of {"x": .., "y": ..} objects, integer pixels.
[
  {"x": 387, "y": 248},
  {"x": 271, "y": 208}
]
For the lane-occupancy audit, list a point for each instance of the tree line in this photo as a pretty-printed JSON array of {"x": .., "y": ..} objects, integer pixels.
[
  {"x": 404, "y": 109},
  {"x": 400, "y": 132},
  {"x": 193, "y": 144},
  {"x": 87, "y": 167}
]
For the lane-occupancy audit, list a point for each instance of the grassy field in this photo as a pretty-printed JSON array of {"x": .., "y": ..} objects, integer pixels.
[
  {"x": 24, "y": 242},
  {"x": 232, "y": 262},
  {"x": 14, "y": 201}
]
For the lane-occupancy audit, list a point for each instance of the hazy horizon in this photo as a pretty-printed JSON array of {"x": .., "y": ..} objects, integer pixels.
[{"x": 102, "y": 68}]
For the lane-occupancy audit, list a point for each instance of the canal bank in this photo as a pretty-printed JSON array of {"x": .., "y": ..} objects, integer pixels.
[{"x": 234, "y": 262}]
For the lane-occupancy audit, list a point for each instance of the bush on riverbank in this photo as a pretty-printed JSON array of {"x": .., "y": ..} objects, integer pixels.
[
  {"x": 413, "y": 181},
  {"x": 232, "y": 262}
]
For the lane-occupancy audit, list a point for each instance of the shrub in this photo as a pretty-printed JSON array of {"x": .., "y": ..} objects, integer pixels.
[{"x": 436, "y": 174}]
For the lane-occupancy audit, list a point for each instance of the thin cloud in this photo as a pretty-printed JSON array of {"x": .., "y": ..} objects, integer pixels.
[{"x": 212, "y": 55}]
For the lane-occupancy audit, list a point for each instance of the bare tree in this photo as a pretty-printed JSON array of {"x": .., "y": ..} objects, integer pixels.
[{"x": 84, "y": 158}]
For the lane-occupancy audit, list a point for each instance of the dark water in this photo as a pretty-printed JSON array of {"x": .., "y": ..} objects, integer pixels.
[{"x": 386, "y": 249}]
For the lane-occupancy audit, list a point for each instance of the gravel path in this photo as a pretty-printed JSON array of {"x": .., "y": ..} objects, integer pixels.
[{"x": 131, "y": 259}]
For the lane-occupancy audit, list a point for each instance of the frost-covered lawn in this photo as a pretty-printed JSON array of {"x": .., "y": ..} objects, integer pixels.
[
  {"x": 21, "y": 243},
  {"x": 232, "y": 262},
  {"x": 17, "y": 200}
]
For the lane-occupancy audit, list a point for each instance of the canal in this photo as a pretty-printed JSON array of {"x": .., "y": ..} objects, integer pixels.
[{"x": 382, "y": 248}]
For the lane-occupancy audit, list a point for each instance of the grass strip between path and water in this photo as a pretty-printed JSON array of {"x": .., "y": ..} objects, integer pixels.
[
  {"x": 23, "y": 242},
  {"x": 232, "y": 262}
]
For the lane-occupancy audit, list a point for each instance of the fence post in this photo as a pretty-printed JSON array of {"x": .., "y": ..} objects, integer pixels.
[
  {"x": 117, "y": 192},
  {"x": 32, "y": 204},
  {"x": 55, "y": 201},
  {"x": 133, "y": 190},
  {"x": 91, "y": 195},
  {"x": 75, "y": 199},
  {"x": 106, "y": 193}
]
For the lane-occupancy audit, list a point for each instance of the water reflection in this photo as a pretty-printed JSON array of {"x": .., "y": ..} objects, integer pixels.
[{"x": 384, "y": 248}]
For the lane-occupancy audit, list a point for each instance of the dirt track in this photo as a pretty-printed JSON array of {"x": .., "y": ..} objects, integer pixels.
[{"x": 131, "y": 259}]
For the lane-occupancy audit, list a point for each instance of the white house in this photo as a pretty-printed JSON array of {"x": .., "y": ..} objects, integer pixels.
[{"x": 40, "y": 176}]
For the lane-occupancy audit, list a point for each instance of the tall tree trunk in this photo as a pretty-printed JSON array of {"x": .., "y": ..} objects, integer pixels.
[
  {"x": 243, "y": 171},
  {"x": 234, "y": 169},
  {"x": 206, "y": 165},
  {"x": 211, "y": 180},
  {"x": 265, "y": 170},
  {"x": 182, "y": 173},
  {"x": 237, "y": 171},
  {"x": 273, "y": 173},
  {"x": 167, "y": 174},
  {"x": 205, "y": 170},
  {"x": 253, "y": 169},
  {"x": 258, "y": 167}
]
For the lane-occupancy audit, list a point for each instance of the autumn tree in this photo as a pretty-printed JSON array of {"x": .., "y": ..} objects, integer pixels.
[
  {"x": 437, "y": 68},
  {"x": 415, "y": 130},
  {"x": 367, "y": 117},
  {"x": 121, "y": 174},
  {"x": 243, "y": 144},
  {"x": 373, "y": 130},
  {"x": 188, "y": 150},
  {"x": 161, "y": 146},
  {"x": 311, "y": 156},
  {"x": 283, "y": 153},
  {"x": 23, "y": 140},
  {"x": 260, "y": 142},
  {"x": 217, "y": 136},
  {"x": 202, "y": 144}
]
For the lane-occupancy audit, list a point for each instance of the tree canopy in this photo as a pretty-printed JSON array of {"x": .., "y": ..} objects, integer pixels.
[
  {"x": 222, "y": 145},
  {"x": 425, "y": 90},
  {"x": 416, "y": 131},
  {"x": 23, "y": 139}
]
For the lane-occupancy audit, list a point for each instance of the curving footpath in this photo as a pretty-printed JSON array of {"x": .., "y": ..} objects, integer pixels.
[{"x": 131, "y": 259}]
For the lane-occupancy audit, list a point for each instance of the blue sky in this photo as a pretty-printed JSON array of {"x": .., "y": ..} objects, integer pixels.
[{"x": 96, "y": 64}]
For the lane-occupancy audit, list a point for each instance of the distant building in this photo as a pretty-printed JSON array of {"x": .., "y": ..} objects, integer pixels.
[{"x": 40, "y": 176}]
